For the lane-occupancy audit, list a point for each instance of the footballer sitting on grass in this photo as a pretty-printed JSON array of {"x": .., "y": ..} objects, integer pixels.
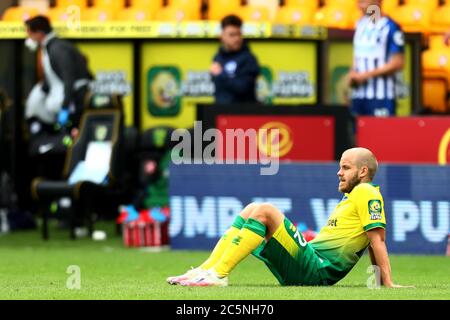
[{"x": 358, "y": 222}]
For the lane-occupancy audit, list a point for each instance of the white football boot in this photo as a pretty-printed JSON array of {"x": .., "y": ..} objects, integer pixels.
[
  {"x": 192, "y": 273},
  {"x": 206, "y": 278}
]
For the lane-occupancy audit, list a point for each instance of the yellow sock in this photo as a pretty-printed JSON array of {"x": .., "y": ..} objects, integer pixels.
[
  {"x": 223, "y": 243},
  {"x": 247, "y": 240}
]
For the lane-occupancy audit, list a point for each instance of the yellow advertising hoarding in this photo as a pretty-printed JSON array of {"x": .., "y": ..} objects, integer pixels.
[
  {"x": 175, "y": 77},
  {"x": 112, "y": 65}
]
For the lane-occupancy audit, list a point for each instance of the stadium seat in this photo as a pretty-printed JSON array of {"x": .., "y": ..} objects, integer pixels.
[
  {"x": 334, "y": 17},
  {"x": 312, "y": 4},
  {"x": 254, "y": 14},
  {"x": 432, "y": 4},
  {"x": 192, "y": 6},
  {"x": 19, "y": 13},
  {"x": 57, "y": 14},
  {"x": 437, "y": 59},
  {"x": 440, "y": 19},
  {"x": 295, "y": 15},
  {"x": 436, "y": 42},
  {"x": 341, "y": 3},
  {"x": 67, "y": 3},
  {"x": 176, "y": 14},
  {"x": 109, "y": 4},
  {"x": 134, "y": 14},
  {"x": 217, "y": 9},
  {"x": 435, "y": 90},
  {"x": 389, "y": 6},
  {"x": 101, "y": 122},
  {"x": 98, "y": 14},
  {"x": 413, "y": 18},
  {"x": 151, "y": 5},
  {"x": 271, "y": 5}
]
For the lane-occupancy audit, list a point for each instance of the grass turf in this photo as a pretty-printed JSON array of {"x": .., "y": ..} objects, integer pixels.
[{"x": 33, "y": 269}]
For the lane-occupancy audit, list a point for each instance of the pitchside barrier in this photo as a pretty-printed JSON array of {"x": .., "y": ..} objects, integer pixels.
[{"x": 204, "y": 200}]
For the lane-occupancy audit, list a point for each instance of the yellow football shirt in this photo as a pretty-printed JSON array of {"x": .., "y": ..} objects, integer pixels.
[{"x": 343, "y": 240}]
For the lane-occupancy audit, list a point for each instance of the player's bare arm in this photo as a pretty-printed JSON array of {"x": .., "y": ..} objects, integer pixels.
[{"x": 379, "y": 257}]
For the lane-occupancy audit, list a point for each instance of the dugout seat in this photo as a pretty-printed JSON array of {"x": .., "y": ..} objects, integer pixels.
[
  {"x": 218, "y": 9},
  {"x": 19, "y": 13},
  {"x": 295, "y": 15},
  {"x": 101, "y": 126}
]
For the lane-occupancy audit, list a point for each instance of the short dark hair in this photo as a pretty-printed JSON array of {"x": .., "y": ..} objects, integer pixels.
[
  {"x": 231, "y": 20},
  {"x": 39, "y": 23}
]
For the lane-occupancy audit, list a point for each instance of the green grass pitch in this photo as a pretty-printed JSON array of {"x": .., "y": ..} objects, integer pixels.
[{"x": 33, "y": 269}]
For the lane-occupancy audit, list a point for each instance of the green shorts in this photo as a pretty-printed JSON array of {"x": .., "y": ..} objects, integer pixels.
[{"x": 291, "y": 259}]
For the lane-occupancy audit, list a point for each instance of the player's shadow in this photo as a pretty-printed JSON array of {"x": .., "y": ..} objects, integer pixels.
[{"x": 259, "y": 285}]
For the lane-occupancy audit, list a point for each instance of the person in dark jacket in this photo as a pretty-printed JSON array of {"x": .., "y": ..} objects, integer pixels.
[
  {"x": 58, "y": 99},
  {"x": 235, "y": 69}
]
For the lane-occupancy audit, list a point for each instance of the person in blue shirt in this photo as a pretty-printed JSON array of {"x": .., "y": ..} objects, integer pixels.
[
  {"x": 377, "y": 57},
  {"x": 235, "y": 69}
]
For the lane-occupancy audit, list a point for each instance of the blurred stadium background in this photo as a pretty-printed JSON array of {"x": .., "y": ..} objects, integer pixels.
[{"x": 136, "y": 47}]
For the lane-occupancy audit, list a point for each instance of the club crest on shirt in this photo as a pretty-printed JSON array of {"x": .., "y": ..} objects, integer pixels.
[{"x": 375, "y": 209}]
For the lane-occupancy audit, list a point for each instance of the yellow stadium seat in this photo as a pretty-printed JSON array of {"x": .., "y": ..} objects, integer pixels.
[
  {"x": 58, "y": 14},
  {"x": 271, "y": 5},
  {"x": 176, "y": 14},
  {"x": 191, "y": 6},
  {"x": 413, "y": 18},
  {"x": 217, "y": 9},
  {"x": 436, "y": 42},
  {"x": 436, "y": 59},
  {"x": 19, "y": 13},
  {"x": 151, "y": 5},
  {"x": 334, "y": 17},
  {"x": 295, "y": 15},
  {"x": 435, "y": 89},
  {"x": 341, "y": 3},
  {"x": 254, "y": 14},
  {"x": 432, "y": 4},
  {"x": 98, "y": 14},
  {"x": 67, "y": 3},
  {"x": 311, "y": 4},
  {"x": 109, "y": 4},
  {"x": 355, "y": 16},
  {"x": 440, "y": 19},
  {"x": 389, "y": 6},
  {"x": 135, "y": 14}
]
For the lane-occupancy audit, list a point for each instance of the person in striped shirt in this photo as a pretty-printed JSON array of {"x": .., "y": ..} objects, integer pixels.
[{"x": 378, "y": 55}]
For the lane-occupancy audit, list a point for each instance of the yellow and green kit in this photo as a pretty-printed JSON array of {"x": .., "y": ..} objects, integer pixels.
[{"x": 337, "y": 247}]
